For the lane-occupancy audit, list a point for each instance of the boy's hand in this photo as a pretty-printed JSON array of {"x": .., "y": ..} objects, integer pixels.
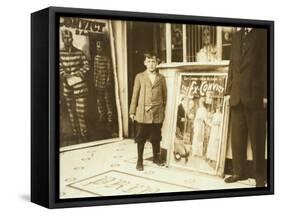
[{"x": 132, "y": 116}]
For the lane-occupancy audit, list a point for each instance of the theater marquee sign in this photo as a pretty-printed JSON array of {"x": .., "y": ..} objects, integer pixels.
[{"x": 83, "y": 26}]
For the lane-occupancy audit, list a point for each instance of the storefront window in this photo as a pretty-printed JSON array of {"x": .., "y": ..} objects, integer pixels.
[
  {"x": 162, "y": 37},
  {"x": 226, "y": 42},
  {"x": 194, "y": 43},
  {"x": 177, "y": 45},
  {"x": 201, "y": 43}
]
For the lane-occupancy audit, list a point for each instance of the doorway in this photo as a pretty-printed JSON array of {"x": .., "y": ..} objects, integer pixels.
[{"x": 141, "y": 37}]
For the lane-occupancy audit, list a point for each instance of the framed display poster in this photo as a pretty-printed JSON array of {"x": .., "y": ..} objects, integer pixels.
[
  {"x": 89, "y": 100},
  {"x": 200, "y": 123}
]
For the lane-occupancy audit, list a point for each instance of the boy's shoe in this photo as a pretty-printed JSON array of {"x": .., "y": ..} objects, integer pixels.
[
  {"x": 139, "y": 166},
  {"x": 158, "y": 161}
]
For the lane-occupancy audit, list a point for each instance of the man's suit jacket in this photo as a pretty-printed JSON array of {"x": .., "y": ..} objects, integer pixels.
[
  {"x": 247, "y": 80},
  {"x": 149, "y": 100}
]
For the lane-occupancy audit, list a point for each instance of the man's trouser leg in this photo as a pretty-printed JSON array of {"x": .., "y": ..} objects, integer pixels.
[
  {"x": 81, "y": 110},
  {"x": 108, "y": 103},
  {"x": 256, "y": 119},
  {"x": 239, "y": 139},
  {"x": 101, "y": 104},
  {"x": 70, "y": 103}
]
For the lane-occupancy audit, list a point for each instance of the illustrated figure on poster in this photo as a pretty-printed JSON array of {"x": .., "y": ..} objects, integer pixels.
[
  {"x": 74, "y": 67},
  {"x": 200, "y": 122},
  {"x": 213, "y": 144},
  {"x": 148, "y": 108},
  {"x": 209, "y": 99},
  {"x": 182, "y": 147},
  {"x": 181, "y": 117},
  {"x": 208, "y": 53},
  {"x": 104, "y": 83},
  {"x": 247, "y": 92},
  {"x": 190, "y": 121}
]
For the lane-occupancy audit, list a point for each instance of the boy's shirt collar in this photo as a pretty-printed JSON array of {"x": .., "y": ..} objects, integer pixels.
[{"x": 148, "y": 72}]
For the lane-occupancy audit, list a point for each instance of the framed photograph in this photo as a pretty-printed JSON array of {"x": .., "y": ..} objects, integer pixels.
[{"x": 138, "y": 107}]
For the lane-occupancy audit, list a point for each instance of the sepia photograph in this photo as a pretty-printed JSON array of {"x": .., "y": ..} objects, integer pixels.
[{"x": 158, "y": 107}]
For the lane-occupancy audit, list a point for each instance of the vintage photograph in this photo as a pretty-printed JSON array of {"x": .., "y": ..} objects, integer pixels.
[{"x": 154, "y": 107}]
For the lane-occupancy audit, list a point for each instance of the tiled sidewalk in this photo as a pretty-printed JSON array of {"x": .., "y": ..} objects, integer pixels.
[{"x": 110, "y": 170}]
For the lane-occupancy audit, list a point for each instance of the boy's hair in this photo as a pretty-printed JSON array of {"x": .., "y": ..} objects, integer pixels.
[{"x": 150, "y": 55}]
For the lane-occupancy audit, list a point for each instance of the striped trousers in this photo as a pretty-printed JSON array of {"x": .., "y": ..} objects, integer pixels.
[
  {"x": 77, "y": 107},
  {"x": 104, "y": 103}
]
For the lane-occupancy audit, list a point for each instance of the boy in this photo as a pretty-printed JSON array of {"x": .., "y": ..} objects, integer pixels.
[{"x": 148, "y": 108}]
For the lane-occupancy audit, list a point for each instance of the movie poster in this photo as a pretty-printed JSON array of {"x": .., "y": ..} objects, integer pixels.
[
  {"x": 199, "y": 122},
  {"x": 88, "y": 82}
]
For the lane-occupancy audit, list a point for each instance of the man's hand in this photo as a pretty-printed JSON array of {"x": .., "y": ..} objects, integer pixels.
[
  {"x": 227, "y": 97},
  {"x": 264, "y": 102},
  {"x": 132, "y": 116}
]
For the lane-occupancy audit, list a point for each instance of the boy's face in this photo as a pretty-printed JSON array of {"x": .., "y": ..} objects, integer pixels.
[{"x": 150, "y": 64}]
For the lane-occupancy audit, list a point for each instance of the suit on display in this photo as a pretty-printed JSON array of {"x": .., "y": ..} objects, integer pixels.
[{"x": 247, "y": 87}]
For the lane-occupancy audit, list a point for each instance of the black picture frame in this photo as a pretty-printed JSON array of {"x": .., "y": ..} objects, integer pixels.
[{"x": 45, "y": 108}]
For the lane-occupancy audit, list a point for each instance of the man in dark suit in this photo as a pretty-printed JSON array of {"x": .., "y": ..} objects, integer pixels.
[{"x": 247, "y": 90}]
